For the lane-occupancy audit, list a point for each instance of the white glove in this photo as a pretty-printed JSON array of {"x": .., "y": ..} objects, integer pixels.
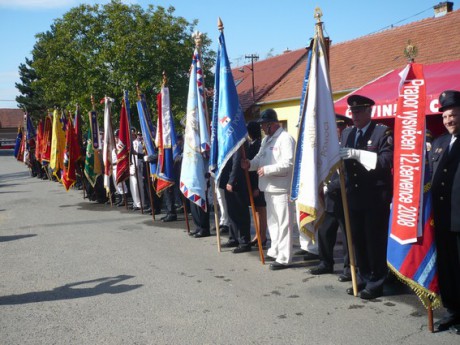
[
  {"x": 132, "y": 169},
  {"x": 366, "y": 158}
]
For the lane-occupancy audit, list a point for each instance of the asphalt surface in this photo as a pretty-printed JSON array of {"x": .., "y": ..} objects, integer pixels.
[{"x": 77, "y": 272}]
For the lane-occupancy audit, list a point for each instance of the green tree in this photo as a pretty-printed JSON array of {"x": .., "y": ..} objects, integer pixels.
[
  {"x": 31, "y": 98},
  {"x": 105, "y": 49}
]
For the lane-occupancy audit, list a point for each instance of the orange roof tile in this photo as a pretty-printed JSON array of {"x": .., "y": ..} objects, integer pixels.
[
  {"x": 357, "y": 62},
  {"x": 267, "y": 73}
]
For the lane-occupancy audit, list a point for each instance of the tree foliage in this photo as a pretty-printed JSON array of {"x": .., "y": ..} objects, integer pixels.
[
  {"x": 105, "y": 49},
  {"x": 31, "y": 99}
]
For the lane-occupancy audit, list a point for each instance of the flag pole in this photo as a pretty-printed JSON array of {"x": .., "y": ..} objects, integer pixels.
[
  {"x": 220, "y": 27},
  {"x": 319, "y": 29},
  {"x": 430, "y": 316},
  {"x": 206, "y": 113},
  {"x": 147, "y": 166},
  {"x": 253, "y": 208}
]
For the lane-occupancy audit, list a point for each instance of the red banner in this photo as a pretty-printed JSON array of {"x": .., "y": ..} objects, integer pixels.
[{"x": 409, "y": 151}]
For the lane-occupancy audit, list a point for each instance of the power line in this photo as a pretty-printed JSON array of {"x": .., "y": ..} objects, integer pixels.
[{"x": 402, "y": 20}]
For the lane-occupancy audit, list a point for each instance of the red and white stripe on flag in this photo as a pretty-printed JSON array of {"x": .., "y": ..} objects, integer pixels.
[{"x": 409, "y": 157}]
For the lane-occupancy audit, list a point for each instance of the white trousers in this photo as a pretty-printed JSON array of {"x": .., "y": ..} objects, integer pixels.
[
  {"x": 281, "y": 222},
  {"x": 137, "y": 184},
  {"x": 224, "y": 220},
  {"x": 118, "y": 187}
]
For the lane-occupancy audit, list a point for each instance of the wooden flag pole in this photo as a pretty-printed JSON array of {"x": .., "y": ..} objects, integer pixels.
[
  {"x": 341, "y": 170},
  {"x": 430, "y": 317},
  {"x": 253, "y": 208},
  {"x": 184, "y": 204},
  {"x": 346, "y": 214}
]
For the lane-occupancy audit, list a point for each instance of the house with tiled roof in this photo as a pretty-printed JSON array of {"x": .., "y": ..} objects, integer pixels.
[
  {"x": 357, "y": 62},
  {"x": 10, "y": 120}
]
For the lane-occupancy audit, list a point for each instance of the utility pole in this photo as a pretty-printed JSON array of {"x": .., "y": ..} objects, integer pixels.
[{"x": 252, "y": 57}]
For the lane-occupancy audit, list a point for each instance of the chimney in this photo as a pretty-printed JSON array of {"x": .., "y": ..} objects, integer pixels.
[{"x": 443, "y": 8}]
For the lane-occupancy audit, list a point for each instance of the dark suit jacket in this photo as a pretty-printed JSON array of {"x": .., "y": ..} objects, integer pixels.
[
  {"x": 445, "y": 170},
  {"x": 367, "y": 189}
]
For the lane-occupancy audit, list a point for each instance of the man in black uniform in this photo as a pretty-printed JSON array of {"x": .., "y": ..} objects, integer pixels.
[
  {"x": 444, "y": 163},
  {"x": 232, "y": 181},
  {"x": 333, "y": 220},
  {"x": 367, "y": 149}
]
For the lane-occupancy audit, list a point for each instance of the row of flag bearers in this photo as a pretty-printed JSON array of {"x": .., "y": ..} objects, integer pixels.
[{"x": 211, "y": 142}]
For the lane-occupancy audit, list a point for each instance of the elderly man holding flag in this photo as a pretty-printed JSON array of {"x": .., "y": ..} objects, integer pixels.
[{"x": 274, "y": 164}]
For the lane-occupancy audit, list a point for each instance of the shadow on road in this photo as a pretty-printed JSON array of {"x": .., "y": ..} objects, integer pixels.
[
  {"x": 106, "y": 286},
  {"x": 15, "y": 237}
]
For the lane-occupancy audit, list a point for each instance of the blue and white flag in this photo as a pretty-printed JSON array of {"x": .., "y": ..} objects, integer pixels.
[
  {"x": 196, "y": 139},
  {"x": 148, "y": 131},
  {"x": 228, "y": 127},
  {"x": 317, "y": 150}
]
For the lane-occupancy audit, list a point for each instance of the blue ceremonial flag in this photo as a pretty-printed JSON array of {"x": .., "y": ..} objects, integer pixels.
[
  {"x": 166, "y": 142},
  {"x": 228, "y": 127},
  {"x": 196, "y": 139},
  {"x": 128, "y": 108},
  {"x": 148, "y": 131},
  {"x": 31, "y": 133},
  {"x": 17, "y": 145}
]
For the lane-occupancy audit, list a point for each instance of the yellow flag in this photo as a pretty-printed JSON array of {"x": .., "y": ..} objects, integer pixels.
[{"x": 58, "y": 144}]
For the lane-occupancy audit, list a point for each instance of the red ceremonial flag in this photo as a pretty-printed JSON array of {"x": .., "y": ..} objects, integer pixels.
[
  {"x": 123, "y": 145},
  {"x": 71, "y": 155},
  {"x": 46, "y": 140},
  {"x": 409, "y": 158},
  {"x": 38, "y": 152}
]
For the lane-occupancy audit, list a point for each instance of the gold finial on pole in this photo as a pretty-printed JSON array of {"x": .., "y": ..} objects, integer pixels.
[
  {"x": 318, "y": 14},
  {"x": 410, "y": 51},
  {"x": 220, "y": 25},
  {"x": 197, "y": 36},
  {"x": 93, "y": 104},
  {"x": 165, "y": 79}
]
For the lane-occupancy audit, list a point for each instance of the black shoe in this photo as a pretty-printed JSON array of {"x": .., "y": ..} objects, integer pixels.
[
  {"x": 371, "y": 294},
  {"x": 455, "y": 328},
  {"x": 301, "y": 252},
  {"x": 275, "y": 266},
  {"x": 350, "y": 289},
  {"x": 310, "y": 257},
  {"x": 147, "y": 210},
  {"x": 255, "y": 243},
  {"x": 269, "y": 258},
  {"x": 242, "y": 249},
  {"x": 320, "y": 269},
  {"x": 135, "y": 208},
  {"x": 230, "y": 244},
  {"x": 344, "y": 278},
  {"x": 170, "y": 218},
  {"x": 201, "y": 234},
  {"x": 223, "y": 229},
  {"x": 446, "y": 322}
]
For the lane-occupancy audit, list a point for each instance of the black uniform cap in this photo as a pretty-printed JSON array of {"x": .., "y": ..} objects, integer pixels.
[
  {"x": 268, "y": 115},
  {"x": 449, "y": 99},
  {"x": 357, "y": 101}
]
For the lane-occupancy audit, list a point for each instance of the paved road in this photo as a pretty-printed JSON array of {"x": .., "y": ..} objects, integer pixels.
[{"x": 76, "y": 272}]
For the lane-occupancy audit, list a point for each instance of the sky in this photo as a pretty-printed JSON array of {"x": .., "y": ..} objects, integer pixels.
[{"x": 258, "y": 27}]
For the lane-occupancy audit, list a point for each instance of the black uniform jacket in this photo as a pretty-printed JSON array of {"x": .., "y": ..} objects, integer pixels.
[
  {"x": 366, "y": 189},
  {"x": 445, "y": 170}
]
